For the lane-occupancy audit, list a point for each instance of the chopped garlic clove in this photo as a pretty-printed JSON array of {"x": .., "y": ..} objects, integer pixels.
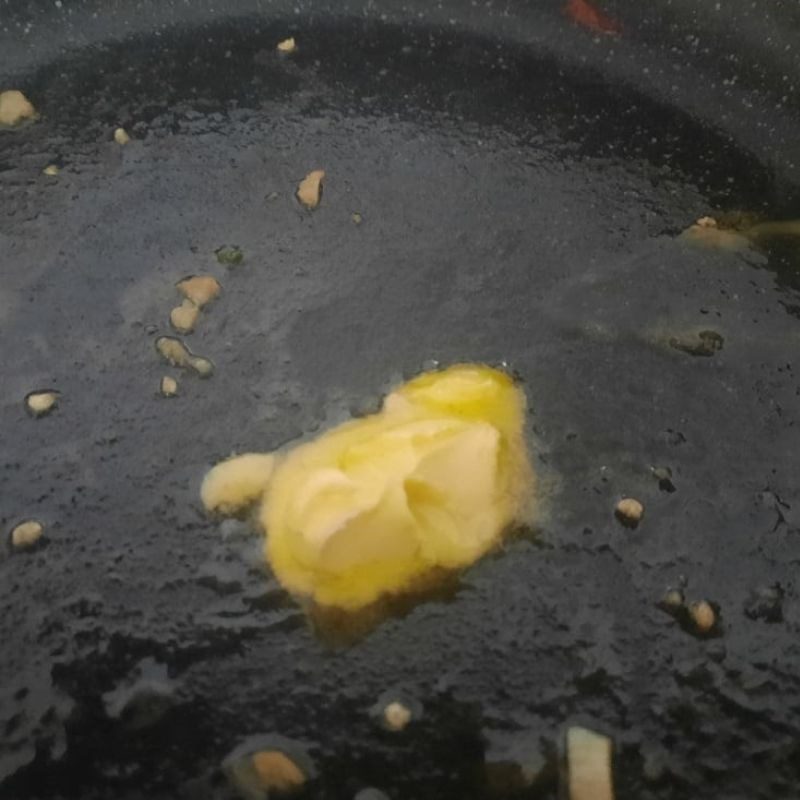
[
  {"x": 184, "y": 317},
  {"x": 703, "y": 616},
  {"x": 267, "y": 764},
  {"x": 395, "y": 710},
  {"x": 41, "y": 403},
  {"x": 287, "y": 45},
  {"x": 26, "y": 534},
  {"x": 15, "y": 108},
  {"x": 175, "y": 352},
  {"x": 396, "y": 716},
  {"x": 589, "y": 775},
  {"x": 202, "y": 366},
  {"x": 121, "y": 136},
  {"x": 200, "y": 289},
  {"x": 169, "y": 386},
  {"x": 309, "y": 190},
  {"x": 277, "y": 772},
  {"x": 673, "y": 601},
  {"x": 51, "y": 170},
  {"x": 629, "y": 512}
]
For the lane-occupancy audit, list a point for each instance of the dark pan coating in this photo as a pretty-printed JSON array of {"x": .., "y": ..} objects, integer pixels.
[{"x": 513, "y": 209}]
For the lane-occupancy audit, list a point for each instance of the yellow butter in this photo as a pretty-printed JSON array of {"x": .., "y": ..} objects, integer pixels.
[
  {"x": 376, "y": 504},
  {"x": 236, "y": 483}
]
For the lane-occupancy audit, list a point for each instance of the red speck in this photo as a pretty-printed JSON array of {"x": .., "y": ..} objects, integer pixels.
[{"x": 585, "y": 14}]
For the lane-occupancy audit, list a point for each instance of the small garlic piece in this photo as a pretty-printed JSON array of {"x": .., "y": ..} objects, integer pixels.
[
  {"x": 51, "y": 170},
  {"x": 589, "y": 775},
  {"x": 121, "y": 136},
  {"x": 287, "y": 45},
  {"x": 199, "y": 289},
  {"x": 267, "y": 764},
  {"x": 703, "y": 616},
  {"x": 175, "y": 352},
  {"x": 277, "y": 772},
  {"x": 672, "y": 601},
  {"x": 15, "y": 107},
  {"x": 309, "y": 190},
  {"x": 396, "y": 716},
  {"x": 169, "y": 386},
  {"x": 26, "y": 534},
  {"x": 629, "y": 512},
  {"x": 41, "y": 403},
  {"x": 202, "y": 366},
  {"x": 184, "y": 317}
]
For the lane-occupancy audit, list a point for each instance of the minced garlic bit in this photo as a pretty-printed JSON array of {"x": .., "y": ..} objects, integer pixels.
[
  {"x": 672, "y": 601},
  {"x": 267, "y": 764},
  {"x": 51, "y": 170},
  {"x": 703, "y": 616},
  {"x": 396, "y": 716},
  {"x": 169, "y": 386},
  {"x": 121, "y": 136},
  {"x": 15, "y": 108},
  {"x": 629, "y": 512},
  {"x": 199, "y": 289},
  {"x": 589, "y": 769},
  {"x": 287, "y": 45},
  {"x": 184, "y": 317},
  {"x": 202, "y": 366},
  {"x": 41, "y": 403},
  {"x": 175, "y": 352},
  {"x": 309, "y": 190},
  {"x": 26, "y": 534},
  {"x": 277, "y": 772}
]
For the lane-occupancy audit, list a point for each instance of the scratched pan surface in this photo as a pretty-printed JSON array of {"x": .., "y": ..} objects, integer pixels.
[{"x": 520, "y": 202}]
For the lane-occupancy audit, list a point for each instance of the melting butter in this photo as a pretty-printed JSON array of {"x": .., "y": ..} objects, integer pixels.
[{"x": 373, "y": 507}]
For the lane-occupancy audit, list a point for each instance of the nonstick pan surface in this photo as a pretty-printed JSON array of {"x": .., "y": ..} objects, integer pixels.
[{"x": 519, "y": 204}]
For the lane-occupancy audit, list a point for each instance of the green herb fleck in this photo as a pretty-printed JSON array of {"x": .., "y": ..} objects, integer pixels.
[{"x": 230, "y": 255}]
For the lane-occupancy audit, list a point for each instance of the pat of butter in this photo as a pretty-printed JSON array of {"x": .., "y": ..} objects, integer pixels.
[{"x": 370, "y": 507}]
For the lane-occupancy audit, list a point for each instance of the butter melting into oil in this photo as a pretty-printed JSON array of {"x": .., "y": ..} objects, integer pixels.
[{"x": 381, "y": 506}]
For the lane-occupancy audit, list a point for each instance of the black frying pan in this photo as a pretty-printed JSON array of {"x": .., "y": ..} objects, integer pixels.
[{"x": 521, "y": 179}]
